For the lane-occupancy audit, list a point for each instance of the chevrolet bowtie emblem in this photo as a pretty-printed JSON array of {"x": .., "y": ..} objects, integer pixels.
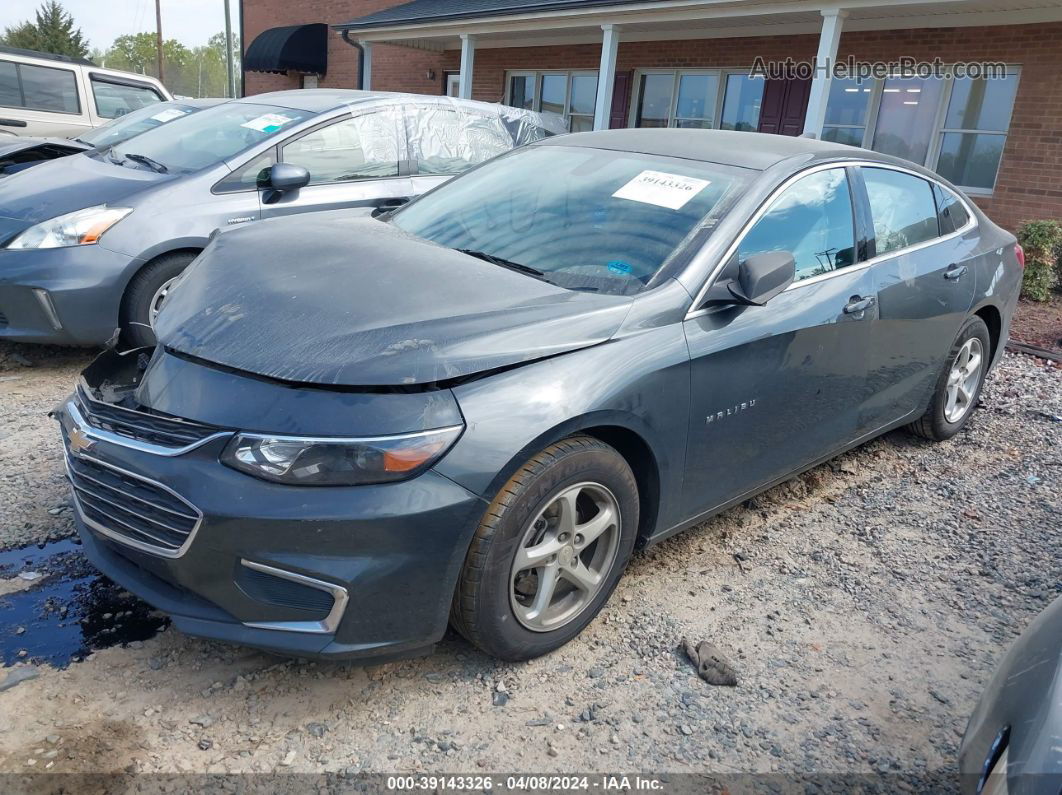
[{"x": 79, "y": 441}]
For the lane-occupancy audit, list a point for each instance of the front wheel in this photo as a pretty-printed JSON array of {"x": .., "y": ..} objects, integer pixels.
[
  {"x": 549, "y": 551},
  {"x": 959, "y": 386},
  {"x": 145, "y": 295}
]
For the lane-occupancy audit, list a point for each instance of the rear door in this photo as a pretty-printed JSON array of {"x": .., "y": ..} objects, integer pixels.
[
  {"x": 777, "y": 387},
  {"x": 41, "y": 100},
  {"x": 354, "y": 161},
  {"x": 923, "y": 240}
]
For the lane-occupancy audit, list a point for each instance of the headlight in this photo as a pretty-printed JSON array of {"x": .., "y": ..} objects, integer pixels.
[
  {"x": 338, "y": 462},
  {"x": 80, "y": 228}
]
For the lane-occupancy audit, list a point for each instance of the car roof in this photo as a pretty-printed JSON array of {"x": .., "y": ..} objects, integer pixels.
[
  {"x": 729, "y": 147},
  {"x": 320, "y": 100}
]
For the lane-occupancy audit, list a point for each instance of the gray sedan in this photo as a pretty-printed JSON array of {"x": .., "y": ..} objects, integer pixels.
[
  {"x": 92, "y": 242},
  {"x": 353, "y": 430}
]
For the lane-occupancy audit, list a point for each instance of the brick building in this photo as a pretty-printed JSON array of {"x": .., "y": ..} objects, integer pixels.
[{"x": 687, "y": 63}]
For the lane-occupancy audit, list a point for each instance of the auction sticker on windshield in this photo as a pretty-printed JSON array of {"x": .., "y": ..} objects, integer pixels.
[
  {"x": 268, "y": 122},
  {"x": 169, "y": 114},
  {"x": 664, "y": 190}
]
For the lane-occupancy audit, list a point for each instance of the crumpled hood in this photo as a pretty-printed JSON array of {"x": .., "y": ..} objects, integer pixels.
[
  {"x": 61, "y": 186},
  {"x": 11, "y": 145},
  {"x": 332, "y": 299}
]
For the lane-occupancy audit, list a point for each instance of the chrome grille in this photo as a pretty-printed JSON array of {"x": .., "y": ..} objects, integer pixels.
[
  {"x": 141, "y": 426},
  {"x": 134, "y": 510}
]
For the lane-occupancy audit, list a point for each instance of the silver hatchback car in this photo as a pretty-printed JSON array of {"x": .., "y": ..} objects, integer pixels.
[{"x": 91, "y": 243}]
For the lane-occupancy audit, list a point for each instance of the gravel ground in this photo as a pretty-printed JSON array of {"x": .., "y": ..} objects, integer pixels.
[{"x": 863, "y": 604}]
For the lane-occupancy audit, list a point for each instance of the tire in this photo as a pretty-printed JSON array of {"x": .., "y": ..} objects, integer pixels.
[
  {"x": 941, "y": 420},
  {"x": 494, "y": 602},
  {"x": 135, "y": 319}
]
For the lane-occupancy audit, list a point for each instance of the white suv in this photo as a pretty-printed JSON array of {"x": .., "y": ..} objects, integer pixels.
[{"x": 53, "y": 95}]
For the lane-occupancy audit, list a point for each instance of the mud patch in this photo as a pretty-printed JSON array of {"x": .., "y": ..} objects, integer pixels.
[
  {"x": 68, "y": 609},
  {"x": 104, "y": 749}
]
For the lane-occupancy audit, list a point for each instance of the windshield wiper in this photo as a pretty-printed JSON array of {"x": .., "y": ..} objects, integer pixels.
[
  {"x": 505, "y": 263},
  {"x": 154, "y": 165}
]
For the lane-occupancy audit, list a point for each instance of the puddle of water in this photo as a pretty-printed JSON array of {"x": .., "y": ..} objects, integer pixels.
[{"x": 71, "y": 610}]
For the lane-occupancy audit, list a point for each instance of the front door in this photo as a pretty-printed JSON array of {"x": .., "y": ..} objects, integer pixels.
[
  {"x": 353, "y": 162},
  {"x": 777, "y": 387},
  {"x": 925, "y": 287},
  {"x": 453, "y": 84},
  {"x": 785, "y": 103}
]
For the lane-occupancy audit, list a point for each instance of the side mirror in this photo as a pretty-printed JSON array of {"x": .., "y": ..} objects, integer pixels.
[
  {"x": 285, "y": 177},
  {"x": 762, "y": 276},
  {"x": 752, "y": 282}
]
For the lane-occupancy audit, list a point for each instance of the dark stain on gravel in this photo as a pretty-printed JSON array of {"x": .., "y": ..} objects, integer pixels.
[{"x": 68, "y": 610}]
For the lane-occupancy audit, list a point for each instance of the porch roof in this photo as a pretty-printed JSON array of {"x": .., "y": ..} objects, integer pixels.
[
  {"x": 439, "y": 10},
  {"x": 439, "y": 24}
]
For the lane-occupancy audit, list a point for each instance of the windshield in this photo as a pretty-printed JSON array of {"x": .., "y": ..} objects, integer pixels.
[
  {"x": 207, "y": 137},
  {"x": 135, "y": 122},
  {"x": 586, "y": 219}
]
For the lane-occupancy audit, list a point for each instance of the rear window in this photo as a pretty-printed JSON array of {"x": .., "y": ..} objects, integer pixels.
[
  {"x": 10, "y": 91},
  {"x": 38, "y": 88},
  {"x": 588, "y": 219},
  {"x": 902, "y": 207},
  {"x": 443, "y": 141},
  {"x": 951, "y": 213}
]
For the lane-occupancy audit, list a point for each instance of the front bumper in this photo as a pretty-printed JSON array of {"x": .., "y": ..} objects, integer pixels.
[
  {"x": 336, "y": 572},
  {"x": 62, "y": 295}
]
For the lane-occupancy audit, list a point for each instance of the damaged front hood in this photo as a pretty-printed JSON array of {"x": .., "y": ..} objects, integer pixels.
[{"x": 332, "y": 299}]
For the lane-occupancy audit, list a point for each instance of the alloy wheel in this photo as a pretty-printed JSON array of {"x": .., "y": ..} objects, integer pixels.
[
  {"x": 963, "y": 379},
  {"x": 564, "y": 557}
]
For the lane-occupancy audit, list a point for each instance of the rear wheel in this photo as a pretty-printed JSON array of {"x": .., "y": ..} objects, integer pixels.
[
  {"x": 549, "y": 551},
  {"x": 959, "y": 386},
  {"x": 145, "y": 295}
]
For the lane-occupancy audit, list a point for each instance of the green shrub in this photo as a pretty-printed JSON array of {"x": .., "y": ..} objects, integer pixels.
[{"x": 1042, "y": 242}]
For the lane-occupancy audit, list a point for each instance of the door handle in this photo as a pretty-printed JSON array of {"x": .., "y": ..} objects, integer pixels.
[
  {"x": 857, "y": 305},
  {"x": 13, "y": 123},
  {"x": 954, "y": 272}
]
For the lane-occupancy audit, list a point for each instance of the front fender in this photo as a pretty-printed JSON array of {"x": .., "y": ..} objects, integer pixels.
[{"x": 638, "y": 382}]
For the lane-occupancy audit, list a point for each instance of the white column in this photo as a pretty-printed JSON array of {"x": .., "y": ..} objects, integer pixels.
[
  {"x": 829, "y": 39},
  {"x": 606, "y": 76},
  {"x": 468, "y": 56},
  {"x": 366, "y": 74}
]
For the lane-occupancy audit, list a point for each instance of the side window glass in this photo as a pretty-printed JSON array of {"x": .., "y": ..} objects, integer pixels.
[
  {"x": 812, "y": 219},
  {"x": 49, "y": 89},
  {"x": 951, "y": 214},
  {"x": 365, "y": 146},
  {"x": 442, "y": 141},
  {"x": 902, "y": 207},
  {"x": 114, "y": 100},
  {"x": 10, "y": 92},
  {"x": 249, "y": 177}
]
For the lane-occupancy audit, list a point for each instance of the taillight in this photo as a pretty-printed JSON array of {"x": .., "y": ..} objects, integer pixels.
[{"x": 1019, "y": 253}]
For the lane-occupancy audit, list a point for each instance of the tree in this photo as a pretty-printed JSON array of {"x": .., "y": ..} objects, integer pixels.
[
  {"x": 137, "y": 52},
  {"x": 196, "y": 72},
  {"x": 52, "y": 32}
]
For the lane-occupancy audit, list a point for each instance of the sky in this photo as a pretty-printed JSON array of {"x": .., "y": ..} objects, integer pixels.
[{"x": 191, "y": 22}]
